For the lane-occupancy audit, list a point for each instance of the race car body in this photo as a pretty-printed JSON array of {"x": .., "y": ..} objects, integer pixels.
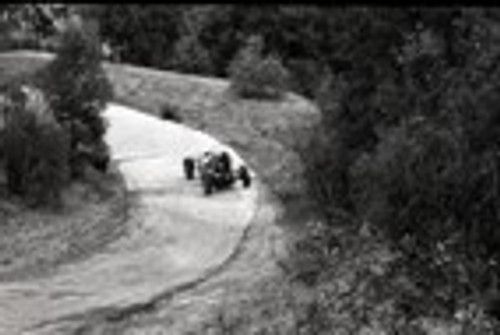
[{"x": 215, "y": 171}]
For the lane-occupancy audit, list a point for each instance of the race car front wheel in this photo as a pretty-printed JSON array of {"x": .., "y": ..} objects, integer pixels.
[
  {"x": 245, "y": 177},
  {"x": 207, "y": 187},
  {"x": 189, "y": 168}
]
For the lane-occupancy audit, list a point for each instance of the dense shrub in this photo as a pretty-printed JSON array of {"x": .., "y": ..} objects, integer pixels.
[
  {"x": 253, "y": 76},
  {"x": 190, "y": 56},
  {"x": 325, "y": 159},
  {"x": 436, "y": 202},
  {"x": 56, "y": 134},
  {"x": 170, "y": 112},
  {"x": 49, "y": 171},
  {"x": 17, "y": 134},
  {"x": 36, "y": 151},
  {"x": 409, "y": 143}
]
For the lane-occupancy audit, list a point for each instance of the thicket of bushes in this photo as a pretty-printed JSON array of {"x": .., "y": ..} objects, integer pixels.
[
  {"x": 191, "y": 57},
  {"x": 170, "y": 112},
  {"x": 54, "y": 130},
  {"x": 35, "y": 152},
  {"x": 409, "y": 143},
  {"x": 256, "y": 76}
]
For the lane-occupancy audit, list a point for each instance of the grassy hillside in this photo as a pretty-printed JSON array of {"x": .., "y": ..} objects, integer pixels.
[{"x": 263, "y": 132}]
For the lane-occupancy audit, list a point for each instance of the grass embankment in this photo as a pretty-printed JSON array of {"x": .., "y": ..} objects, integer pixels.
[{"x": 35, "y": 242}]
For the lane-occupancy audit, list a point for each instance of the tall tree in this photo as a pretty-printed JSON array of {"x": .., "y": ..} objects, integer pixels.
[{"x": 78, "y": 91}]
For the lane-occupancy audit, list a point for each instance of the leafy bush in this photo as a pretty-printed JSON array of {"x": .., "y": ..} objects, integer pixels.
[
  {"x": 413, "y": 179},
  {"x": 170, "y": 112},
  {"x": 325, "y": 159},
  {"x": 49, "y": 171},
  {"x": 17, "y": 145},
  {"x": 190, "y": 56},
  {"x": 425, "y": 193},
  {"x": 417, "y": 155},
  {"x": 255, "y": 77},
  {"x": 36, "y": 151}
]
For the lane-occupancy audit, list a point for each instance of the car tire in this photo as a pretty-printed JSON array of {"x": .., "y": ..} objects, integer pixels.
[
  {"x": 245, "y": 177},
  {"x": 207, "y": 187},
  {"x": 189, "y": 168}
]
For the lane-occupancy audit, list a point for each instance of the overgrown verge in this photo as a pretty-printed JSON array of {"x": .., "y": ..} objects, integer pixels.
[
  {"x": 415, "y": 157},
  {"x": 56, "y": 194},
  {"x": 254, "y": 76},
  {"x": 34, "y": 243}
]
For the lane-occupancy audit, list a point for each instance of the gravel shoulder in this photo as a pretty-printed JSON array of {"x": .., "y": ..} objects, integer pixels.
[{"x": 33, "y": 243}]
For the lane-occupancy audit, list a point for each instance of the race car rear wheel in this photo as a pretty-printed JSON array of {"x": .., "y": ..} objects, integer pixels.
[
  {"x": 245, "y": 177},
  {"x": 207, "y": 187},
  {"x": 189, "y": 168}
]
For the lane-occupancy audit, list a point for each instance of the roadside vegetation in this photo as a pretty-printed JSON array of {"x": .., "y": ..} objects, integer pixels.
[
  {"x": 55, "y": 186},
  {"x": 398, "y": 185}
]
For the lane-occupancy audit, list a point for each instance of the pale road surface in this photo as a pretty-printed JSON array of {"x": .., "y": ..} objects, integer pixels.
[{"x": 179, "y": 234}]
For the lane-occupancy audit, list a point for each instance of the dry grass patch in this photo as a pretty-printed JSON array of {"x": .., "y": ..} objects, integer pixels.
[{"x": 35, "y": 242}]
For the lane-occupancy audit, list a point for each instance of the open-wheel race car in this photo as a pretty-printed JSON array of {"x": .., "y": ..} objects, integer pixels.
[{"x": 215, "y": 171}]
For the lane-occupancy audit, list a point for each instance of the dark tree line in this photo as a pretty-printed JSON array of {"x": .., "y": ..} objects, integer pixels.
[
  {"x": 409, "y": 142},
  {"x": 204, "y": 39}
]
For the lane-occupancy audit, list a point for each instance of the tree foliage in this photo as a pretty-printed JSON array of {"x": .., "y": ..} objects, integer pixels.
[
  {"x": 256, "y": 76},
  {"x": 142, "y": 34},
  {"x": 409, "y": 141},
  {"x": 150, "y": 35},
  {"x": 78, "y": 91},
  {"x": 190, "y": 56},
  {"x": 54, "y": 128},
  {"x": 36, "y": 149}
]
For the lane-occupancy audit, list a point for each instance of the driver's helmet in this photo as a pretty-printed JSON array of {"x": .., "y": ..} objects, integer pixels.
[{"x": 206, "y": 157}]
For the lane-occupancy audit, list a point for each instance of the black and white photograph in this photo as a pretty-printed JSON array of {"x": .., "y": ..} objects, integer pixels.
[{"x": 249, "y": 169}]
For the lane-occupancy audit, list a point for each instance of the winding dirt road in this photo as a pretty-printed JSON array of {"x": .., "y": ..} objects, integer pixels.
[{"x": 178, "y": 234}]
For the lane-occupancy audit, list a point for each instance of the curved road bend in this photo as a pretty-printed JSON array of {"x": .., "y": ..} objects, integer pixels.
[{"x": 178, "y": 233}]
